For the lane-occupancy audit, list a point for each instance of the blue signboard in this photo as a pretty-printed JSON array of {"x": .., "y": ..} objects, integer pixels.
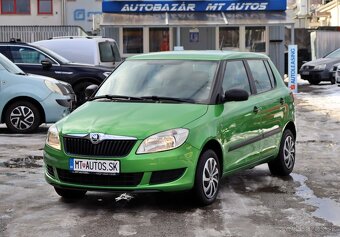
[
  {"x": 292, "y": 68},
  {"x": 126, "y": 6}
]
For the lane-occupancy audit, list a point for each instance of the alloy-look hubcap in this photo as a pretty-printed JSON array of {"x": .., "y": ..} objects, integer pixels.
[
  {"x": 289, "y": 152},
  {"x": 22, "y": 117},
  {"x": 210, "y": 178}
]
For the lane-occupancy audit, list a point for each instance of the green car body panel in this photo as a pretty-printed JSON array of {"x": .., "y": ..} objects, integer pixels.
[{"x": 241, "y": 137}]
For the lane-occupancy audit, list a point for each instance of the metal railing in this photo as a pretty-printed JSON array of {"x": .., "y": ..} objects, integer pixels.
[{"x": 35, "y": 33}]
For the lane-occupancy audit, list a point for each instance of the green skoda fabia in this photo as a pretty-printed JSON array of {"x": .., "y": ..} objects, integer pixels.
[{"x": 174, "y": 121}]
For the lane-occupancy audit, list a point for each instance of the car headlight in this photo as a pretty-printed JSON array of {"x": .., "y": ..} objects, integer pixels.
[
  {"x": 320, "y": 67},
  {"x": 106, "y": 74},
  {"x": 163, "y": 141},
  {"x": 53, "y": 137},
  {"x": 53, "y": 87}
]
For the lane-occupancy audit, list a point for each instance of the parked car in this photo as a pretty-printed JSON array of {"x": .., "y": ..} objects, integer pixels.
[
  {"x": 27, "y": 100},
  {"x": 93, "y": 50},
  {"x": 320, "y": 69},
  {"x": 175, "y": 121},
  {"x": 38, "y": 60}
]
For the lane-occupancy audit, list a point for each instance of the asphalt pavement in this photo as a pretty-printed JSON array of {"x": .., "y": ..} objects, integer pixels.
[{"x": 250, "y": 203}]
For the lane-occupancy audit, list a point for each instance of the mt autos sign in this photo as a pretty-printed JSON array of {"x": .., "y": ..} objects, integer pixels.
[{"x": 123, "y": 6}]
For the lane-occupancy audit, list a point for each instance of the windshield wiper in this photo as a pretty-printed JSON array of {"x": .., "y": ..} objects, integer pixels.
[
  {"x": 116, "y": 97},
  {"x": 164, "y": 98}
]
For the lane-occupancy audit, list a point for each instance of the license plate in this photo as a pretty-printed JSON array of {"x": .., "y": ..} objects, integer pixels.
[
  {"x": 305, "y": 73},
  {"x": 95, "y": 166}
]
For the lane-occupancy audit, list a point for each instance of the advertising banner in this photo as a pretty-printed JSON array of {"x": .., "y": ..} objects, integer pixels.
[
  {"x": 125, "y": 6},
  {"x": 292, "y": 68}
]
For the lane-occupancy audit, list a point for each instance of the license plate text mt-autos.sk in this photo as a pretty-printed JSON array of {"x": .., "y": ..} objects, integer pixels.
[{"x": 94, "y": 166}]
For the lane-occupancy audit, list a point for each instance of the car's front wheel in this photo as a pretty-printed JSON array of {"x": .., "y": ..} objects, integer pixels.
[
  {"x": 70, "y": 193},
  {"x": 313, "y": 82},
  {"x": 207, "y": 178},
  {"x": 333, "y": 81},
  {"x": 22, "y": 117},
  {"x": 283, "y": 164}
]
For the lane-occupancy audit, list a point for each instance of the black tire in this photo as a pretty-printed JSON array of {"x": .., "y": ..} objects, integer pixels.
[
  {"x": 79, "y": 90},
  {"x": 70, "y": 193},
  {"x": 312, "y": 82},
  {"x": 333, "y": 81},
  {"x": 22, "y": 117},
  {"x": 208, "y": 165},
  {"x": 283, "y": 164}
]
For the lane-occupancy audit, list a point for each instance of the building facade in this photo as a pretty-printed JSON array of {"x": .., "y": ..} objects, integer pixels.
[{"x": 150, "y": 26}]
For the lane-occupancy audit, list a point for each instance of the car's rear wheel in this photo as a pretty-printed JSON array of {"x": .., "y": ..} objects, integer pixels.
[
  {"x": 313, "y": 82},
  {"x": 283, "y": 164},
  {"x": 70, "y": 193},
  {"x": 207, "y": 178},
  {"x": 22, "y": 117}
]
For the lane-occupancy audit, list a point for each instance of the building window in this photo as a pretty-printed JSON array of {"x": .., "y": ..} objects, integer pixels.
[
  {"x": 15, "y": 7},
  {"x": 132, "y": 40},
  {"x": 256, "y": 38},
  {"x": 229, "y": 38},
  {"x": 159, "y": 39},
  {"x": 45, "y": 7}
]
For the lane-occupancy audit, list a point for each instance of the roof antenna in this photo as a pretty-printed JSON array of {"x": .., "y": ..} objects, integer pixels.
[{"x": 222, "y": 42}]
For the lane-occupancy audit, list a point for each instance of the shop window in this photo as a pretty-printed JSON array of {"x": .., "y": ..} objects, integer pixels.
[
  {"x": 45, "y": 6},
  {"x": 132, "y": 40},
  {"x": 15, "y": 7},
  {"x": 159, "y": 39},
  {"x": 255, "y": 39},
  {"x": 229, "y": 38}
]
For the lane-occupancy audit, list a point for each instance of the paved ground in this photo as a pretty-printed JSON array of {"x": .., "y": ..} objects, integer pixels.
[{"x": 251, "y": 203}]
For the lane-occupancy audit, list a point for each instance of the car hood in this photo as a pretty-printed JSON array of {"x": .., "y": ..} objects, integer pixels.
[
  {"x": 42, "y": 78},
  {"x": 88, "y": 66},
  {"x": 138, "y": 120},
  {"x": 320, "y": 61}
]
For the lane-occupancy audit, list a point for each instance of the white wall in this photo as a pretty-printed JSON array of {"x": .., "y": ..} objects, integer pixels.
[
  {"x": 34, "y": 18},
  {"x": 80, "y": 12}
]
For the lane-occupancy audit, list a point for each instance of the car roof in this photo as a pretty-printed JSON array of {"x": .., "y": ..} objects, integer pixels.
[{"x": 212, "y": 55}]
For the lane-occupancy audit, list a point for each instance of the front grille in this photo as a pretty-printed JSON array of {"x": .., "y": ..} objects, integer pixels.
[
  {"x": 123, "y": 179},
  {"x": 111, "y": 148},
  {"x": 166, "y": 176},
  {"x": 50, "y": 170}
]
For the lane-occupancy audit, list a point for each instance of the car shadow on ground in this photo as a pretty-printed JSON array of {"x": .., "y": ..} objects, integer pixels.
[{"x": 254, "y": 181}]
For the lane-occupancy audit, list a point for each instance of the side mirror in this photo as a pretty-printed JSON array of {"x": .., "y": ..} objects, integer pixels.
[
  {"x": 90, "y": 90},
  {"x": 46, "y": 64},
  {"x": 236, "y": 95}
]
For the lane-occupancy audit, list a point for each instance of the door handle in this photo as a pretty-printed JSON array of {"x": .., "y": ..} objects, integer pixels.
[
  {"x": 282, "y": 101},
  {"x": 256, "y": 109}
]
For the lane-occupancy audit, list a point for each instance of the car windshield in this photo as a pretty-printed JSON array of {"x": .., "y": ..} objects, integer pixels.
[
  {"x": 334, "y": 54},
  {"x": 53, "y": 54},
  {"x": 9, "y": 65},
  {"x": 171, "y": 79}
]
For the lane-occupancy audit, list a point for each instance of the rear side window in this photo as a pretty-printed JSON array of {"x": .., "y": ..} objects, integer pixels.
[
  {"x": 260, "y": 75},
  {"x": 108, "y": 52},
  {"x": 235, "y": 77}
]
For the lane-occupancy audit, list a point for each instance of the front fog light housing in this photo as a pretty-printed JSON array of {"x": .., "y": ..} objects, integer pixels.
[
  {"x": 53, "y": 138},
  {"x": 163, "y": 141}
]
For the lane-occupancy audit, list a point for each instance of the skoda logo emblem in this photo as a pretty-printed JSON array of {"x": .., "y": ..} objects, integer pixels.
[{"x": 95, "y": 138}]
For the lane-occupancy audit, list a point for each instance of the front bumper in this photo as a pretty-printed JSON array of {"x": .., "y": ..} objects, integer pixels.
[
  {"x": 57, "y": 106},
  {"x": 172, "y": 170},
  {"x": 314, "y": 75}
]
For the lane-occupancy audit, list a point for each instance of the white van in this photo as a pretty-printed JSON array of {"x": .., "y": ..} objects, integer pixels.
[{"x": 94, "y": 50}]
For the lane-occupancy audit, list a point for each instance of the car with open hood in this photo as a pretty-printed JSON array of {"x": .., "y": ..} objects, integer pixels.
[{"x": 174, "y": 121}]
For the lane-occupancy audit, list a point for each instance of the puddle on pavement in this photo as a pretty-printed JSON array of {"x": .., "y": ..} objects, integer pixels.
[
  {"x": 27, "y": 162},
  {"x": 327, "y": 208}
]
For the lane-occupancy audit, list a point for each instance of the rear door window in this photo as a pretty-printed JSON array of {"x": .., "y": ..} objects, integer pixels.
[{"x": 260, "y": 75}]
